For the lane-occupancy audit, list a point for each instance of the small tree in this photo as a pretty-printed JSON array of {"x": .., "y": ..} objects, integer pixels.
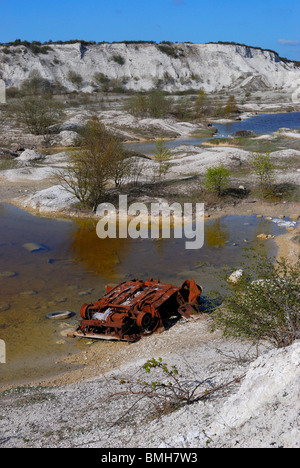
[
  {"x": 121, "y": 165},
  {"x": 157, "y": 103},
  {"x": 35, "y": 85},
  {"x": 162, "y": 156},
  {"x": 93, "y": 165},
  {"x": 76, "y": 178},
  {"x": 137, "y": 105},
  {"x": 201, "y": 104},
  {"x": 158, "y": 388},
  {"x": 168, "y": 389},
  {"x": 231, "y": 106},
  {"x": 264, "y": 169},
  {"x": 216, "y": 179},
  {"x": 154, "y": 104},
  {"x": 38, "y": 115},
  {"x": 182, "y": 109},
  {"x": 264, "y": 305}
]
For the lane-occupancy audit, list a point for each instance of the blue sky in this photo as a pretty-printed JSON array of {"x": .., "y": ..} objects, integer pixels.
[{"x": 264, "y": 23}]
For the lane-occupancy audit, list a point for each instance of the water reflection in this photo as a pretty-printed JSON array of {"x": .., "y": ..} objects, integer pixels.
[
  {"x": 98, "y": 256},
  {"x": 216, "y": 234},
  {"x": 113, "y": 259},
  {"x": 76, "y": 266}
]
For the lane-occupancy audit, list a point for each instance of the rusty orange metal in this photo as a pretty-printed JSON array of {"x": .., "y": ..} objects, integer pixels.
[{"x": 137, "y": 308}]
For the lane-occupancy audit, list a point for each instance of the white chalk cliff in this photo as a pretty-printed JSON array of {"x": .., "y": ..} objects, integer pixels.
[{"x": 145, "y": 66}]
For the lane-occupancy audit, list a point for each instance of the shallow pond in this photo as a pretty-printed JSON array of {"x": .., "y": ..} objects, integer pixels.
[
  {"x": 261, "y": 124},
  {"x": 74, "y": 265}
]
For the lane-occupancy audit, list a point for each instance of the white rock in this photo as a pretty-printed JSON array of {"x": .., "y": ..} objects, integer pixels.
[
  {"x": 66, "y": 138},
  {"x": 282, "y": 223},
  {"x": 34, "y": 247},
  {"x": 53, "y": 199},
  {"x": 30, "y": 155},
  {"x": 271, "y": 382},
  {"x": 236, "y": 276}
]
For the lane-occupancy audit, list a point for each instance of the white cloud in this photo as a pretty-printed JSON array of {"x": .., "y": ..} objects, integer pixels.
[{"x": 288, "y": 42}]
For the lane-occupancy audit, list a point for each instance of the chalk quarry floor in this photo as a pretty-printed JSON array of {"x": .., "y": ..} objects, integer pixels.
[
  {"x": 261, "y": 409},
  {"x": 73, "y": 409}
]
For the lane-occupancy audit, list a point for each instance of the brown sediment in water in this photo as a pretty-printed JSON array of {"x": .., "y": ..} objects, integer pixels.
[{"x": 94, "y": 359}]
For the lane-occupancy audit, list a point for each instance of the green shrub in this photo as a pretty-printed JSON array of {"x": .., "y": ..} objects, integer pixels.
[
  {"x": 75, "y": 78},
  {"x": 168, "y": 50},
  {"x": 99, "y": 159},
  {"x": 158, "y": 104},
  {"x": 202, "y": 106},
  {"x": 36, "y": 85},
  {"x": 13, "y": 92},
  {"x": 100, "y": 78},
  {"x": 102, "y": 81},
  {"x": 264, "y": 305},
  {"x": 231, "y": 106},
  {"x": 216, "y": 179},
  {"x": 154, "y": 104},
  {"x": 118, "y": 59},
  {"x": 264, "y": 170},
  {"x": 37, "y": 48},
  {"x": 38, "y": 115},
  {"x": 162, "y": 156},
  {"x": 137, "y": 105},
  {"x": 164, "y": 389}
]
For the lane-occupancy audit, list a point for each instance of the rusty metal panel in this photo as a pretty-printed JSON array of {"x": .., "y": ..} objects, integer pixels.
[{"x": 137, "y": 308}]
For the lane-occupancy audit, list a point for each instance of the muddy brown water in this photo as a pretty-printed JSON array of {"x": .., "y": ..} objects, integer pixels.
[{"x": 73, "y": 266}]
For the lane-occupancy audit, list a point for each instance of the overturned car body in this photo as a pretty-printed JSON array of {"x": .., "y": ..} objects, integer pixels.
[{"x": 137, "y": 308}]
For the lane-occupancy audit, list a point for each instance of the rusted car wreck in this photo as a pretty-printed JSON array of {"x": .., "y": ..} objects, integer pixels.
[{"x": 137, "y": 308}]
